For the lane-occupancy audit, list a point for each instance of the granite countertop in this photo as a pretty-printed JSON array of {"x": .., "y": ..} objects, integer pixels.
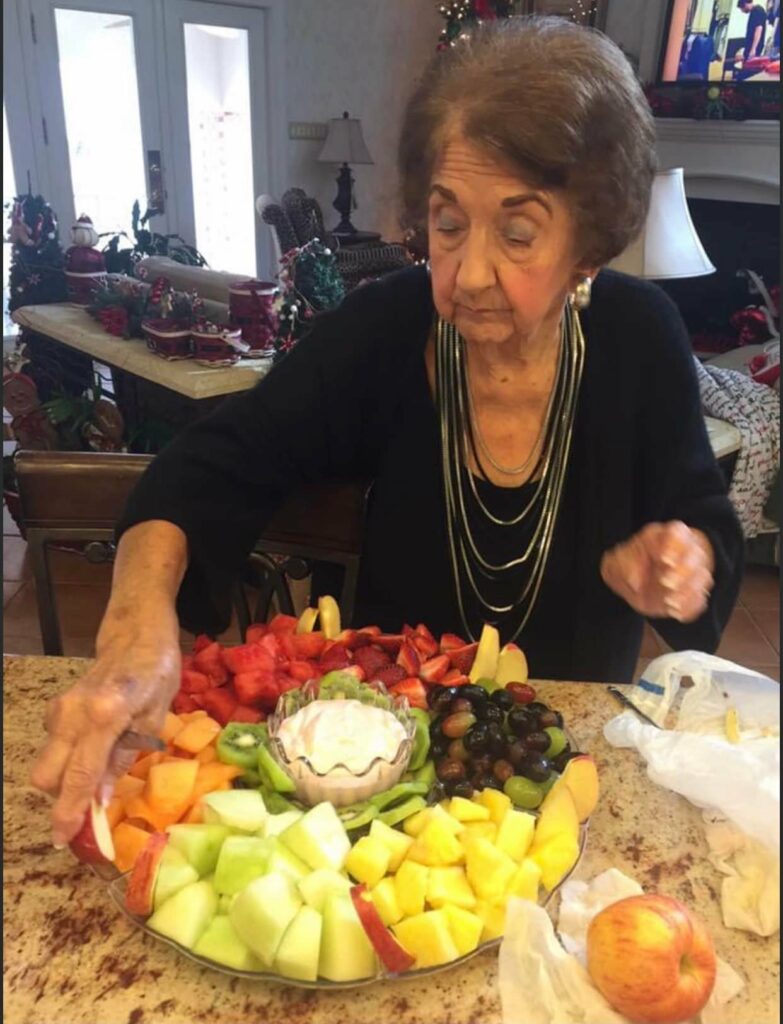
[{"x": 71, "y": 957}]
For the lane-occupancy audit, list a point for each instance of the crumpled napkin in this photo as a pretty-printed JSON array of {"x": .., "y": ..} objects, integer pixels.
[
  {"x": 545, "y": 982},
  {"x": 750, "y": 894}
]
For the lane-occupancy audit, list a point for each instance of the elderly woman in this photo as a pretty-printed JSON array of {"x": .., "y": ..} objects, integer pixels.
[{"x": 531, "y": 421}]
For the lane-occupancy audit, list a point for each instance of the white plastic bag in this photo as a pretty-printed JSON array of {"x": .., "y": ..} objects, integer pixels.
[{"x": 694, "y": 757}]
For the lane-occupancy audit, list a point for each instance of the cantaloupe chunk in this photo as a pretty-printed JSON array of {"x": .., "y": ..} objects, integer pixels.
[
  {"x": 138, "y": 807},
  {"x": 197, "y": 734},
  {"x": 213, "y": 776},
  {"x": 129, "y": 841},
  {"x": 128, "y": 785},
  {"x": 207, "y": 755},
  {"x": 171, "y": 726},
  {"x": 170, "y": 785},
  {"x": 191, "y": 716},
  {"x": 195, "y": 816},
  {"x": 141, "y": 768}
]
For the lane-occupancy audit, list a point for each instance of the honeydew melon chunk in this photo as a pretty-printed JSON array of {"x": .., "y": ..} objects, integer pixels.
[
  {"x": 221, "y": 943},
  {"x": 346, "y": 952},
  {"x": 316, "y": 886},
  {"x": 277, "y": 823},
  {"x": 199, "y": 844},
  {"x": 224, "y": 903},
  {"x": 281, "y": 859},
  {"x": 243, "y": 809},
  {"x": 185, "y": 915},
  {"x": 299, "y": 951},
  {"x": 242, "y": 858},
  {"x": 262, "y": 911},
  {"x": 318, "y": 838},
  {"x": 174, "y": 873}
]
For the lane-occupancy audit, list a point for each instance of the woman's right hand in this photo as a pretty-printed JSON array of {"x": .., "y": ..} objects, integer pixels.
[{"x": 130, "y": 686}]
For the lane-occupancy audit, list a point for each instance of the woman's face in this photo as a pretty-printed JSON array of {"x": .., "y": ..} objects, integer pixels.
[{"x": 502, "y": 253}]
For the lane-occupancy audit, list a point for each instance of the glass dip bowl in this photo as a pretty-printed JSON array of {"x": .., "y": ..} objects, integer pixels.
[{"x": 315, "y": 778}]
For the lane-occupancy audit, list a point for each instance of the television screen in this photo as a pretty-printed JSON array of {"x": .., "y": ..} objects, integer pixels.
[{"x": 722, "y": 41}]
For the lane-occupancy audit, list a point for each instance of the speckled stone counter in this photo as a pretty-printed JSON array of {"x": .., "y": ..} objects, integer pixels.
[{"x": 72, "y": 958}]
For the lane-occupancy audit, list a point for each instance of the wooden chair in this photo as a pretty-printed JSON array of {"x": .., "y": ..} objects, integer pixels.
[{"x": 77, "y": 497}]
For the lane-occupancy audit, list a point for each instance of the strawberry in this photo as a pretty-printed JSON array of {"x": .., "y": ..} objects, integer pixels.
[
  {"x": 209, "y": 660},
  {"x": 304, "y": 646},
  {"x": 219, "y": 703},
  {"x": 389, "y": 642},
  {"x": 302, "y": 670},
  {"x": 285, "y": 682},
  {"x": 451, "y": 642},
  {"x": 371, "y": 659},
  {"x": 194, "y": 682},
  {"x": 352, "y": 638},
  {"x": 435, "y": 669},
  {"x": 248, "y": 658},
  {"x": 426, "y": 646},
  {"x": 259, "y": 687},
  {"x": 242, "y": 713},
  {"x": 371, "y": 631},
  {"x": 421, "y": 630},
  {"x": 183, "y": 703},
  {"x": 409, "y": 659},
  {"x": 256, "y": 632},
  {"x": 454, "y": 678},
  {"x": 201, "y": 642},
  {"x": 334, "y": 657},
  {"x": 414, "y": 690},
  {"x": 390, "y": 675},
  {"x": 283, "y": 624},
  {"x": 463, "y": 658},
  {"x": 272, "y": 644},
  {"x": 357, "y": 671},
  {"x": 187, "y": 661},
  {"x": 408, "y": 631}
]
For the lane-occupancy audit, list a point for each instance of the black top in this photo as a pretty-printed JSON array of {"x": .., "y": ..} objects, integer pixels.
[
  {"x": 352, "y": 401},
  {"x": 757, "y": 17}
]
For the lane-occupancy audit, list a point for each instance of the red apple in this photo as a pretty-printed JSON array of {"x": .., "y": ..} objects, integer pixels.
[
  {"x": 141, "y": 884},
  {"x": 651, "y": 959},
  {"x": 391, "y": 954},
  {"x": 93, "y": 843}
]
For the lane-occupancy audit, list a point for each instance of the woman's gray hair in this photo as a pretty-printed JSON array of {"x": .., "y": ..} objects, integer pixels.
[{"x": 556, "y": 102}]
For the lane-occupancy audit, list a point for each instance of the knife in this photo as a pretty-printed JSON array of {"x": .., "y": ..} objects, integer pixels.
[
  {"x": 131, "y": 740},
  {"x": 621, "y": 697}
]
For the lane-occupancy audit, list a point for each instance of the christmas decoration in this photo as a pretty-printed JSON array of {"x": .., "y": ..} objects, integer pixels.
[
  {"x": 735, "y": 101},
  {"x": 37, "y": 263},
  {"x": 251, "y": 309},
  {"x": 310, "y": 283},
  {"x": 215, "y": 346},
  {"x": 463, "y": 15},
  {"x": 120, "y": 307},
  {"x": 147, "y": 243},
  {"x": 85, "y": 267}
]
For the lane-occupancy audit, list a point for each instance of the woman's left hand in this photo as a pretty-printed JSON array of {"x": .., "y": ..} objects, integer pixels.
[{"x": 663, "y": 571}]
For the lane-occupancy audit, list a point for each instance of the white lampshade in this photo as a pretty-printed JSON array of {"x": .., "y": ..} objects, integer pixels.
[
  {"x": 345, "y": 142},
  {"x": 668, "y": 246}
]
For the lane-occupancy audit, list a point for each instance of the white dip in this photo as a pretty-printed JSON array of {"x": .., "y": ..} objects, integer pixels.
[{"x": 341, "y": 732}]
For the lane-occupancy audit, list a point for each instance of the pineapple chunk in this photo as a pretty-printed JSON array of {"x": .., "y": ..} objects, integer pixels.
[
  {"x": 526, "y": 880},
  {"x": 436, "y": 846},
  {"x": 427, "y": 937},
  {"x": 467, "y": 810},
  {"x": 465, "y": 928},
  {"x": 410, "y": 884},
  {"x": 396, "y": 842},
  {"x": 414, "y": 825},
  {"x": 556, "y": 857},
  {"x": 489, "y": 870},
  {"x": 497, "y": 803},
  {"x": 449, "y": 885},
  {"x": 493, "y": 918},
  {"x": 480, "y": 829},
  {"x": 368, "y": 861},
  {"x": 516, "y": 834},
  {"x": 384, "y": 896}
]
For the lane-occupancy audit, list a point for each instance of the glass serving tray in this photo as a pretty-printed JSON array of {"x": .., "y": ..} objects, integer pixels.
[{"x": 117, "y": 885}]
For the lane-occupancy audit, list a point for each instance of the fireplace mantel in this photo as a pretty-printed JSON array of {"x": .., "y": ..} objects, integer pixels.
[{"x": 736, "y": 161}]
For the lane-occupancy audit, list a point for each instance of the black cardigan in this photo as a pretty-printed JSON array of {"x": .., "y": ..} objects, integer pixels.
[{"x": 352, "y": 401}]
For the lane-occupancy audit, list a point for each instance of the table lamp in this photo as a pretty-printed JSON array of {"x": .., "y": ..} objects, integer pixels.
[
  {"x": 668, "y": 246},
  {"x": 345, "y": 145}
]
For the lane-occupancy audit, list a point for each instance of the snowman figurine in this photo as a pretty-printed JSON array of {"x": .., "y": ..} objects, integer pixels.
[{"x": 85, "y": 266}]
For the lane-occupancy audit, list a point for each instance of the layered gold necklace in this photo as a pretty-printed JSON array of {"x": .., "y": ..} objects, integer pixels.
[{"x": 459, "y": 434}]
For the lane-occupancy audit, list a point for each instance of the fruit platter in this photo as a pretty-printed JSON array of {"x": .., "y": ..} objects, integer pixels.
[{"x": 333, "y": 807}]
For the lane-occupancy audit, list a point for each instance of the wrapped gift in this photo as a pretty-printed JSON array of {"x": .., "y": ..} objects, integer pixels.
[{"x": 250, "y": 311}]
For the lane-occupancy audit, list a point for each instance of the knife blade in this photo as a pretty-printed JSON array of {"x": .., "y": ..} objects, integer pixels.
[
  {"x": 131, "y": 740},
  {"x": 622, "y": 699}
]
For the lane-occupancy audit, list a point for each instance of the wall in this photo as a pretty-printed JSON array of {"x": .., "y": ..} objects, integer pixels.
[{"x": 362, "y": 56}]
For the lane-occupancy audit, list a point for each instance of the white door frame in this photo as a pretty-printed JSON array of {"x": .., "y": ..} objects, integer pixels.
[{"x": 22, "y": 105}]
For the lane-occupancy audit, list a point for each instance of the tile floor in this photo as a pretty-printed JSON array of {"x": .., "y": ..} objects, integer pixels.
[{"x": 752, "y": 637}]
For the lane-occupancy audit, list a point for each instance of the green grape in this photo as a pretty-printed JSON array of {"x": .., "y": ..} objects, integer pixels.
[
  {"x": 522, "y": 792},
  {"x": 558, "y": 741}
]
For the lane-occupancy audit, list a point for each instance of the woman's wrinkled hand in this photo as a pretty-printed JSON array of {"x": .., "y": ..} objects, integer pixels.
[
  {"x": 663, "y": 571},
  {"x": 130, "y": 686}
]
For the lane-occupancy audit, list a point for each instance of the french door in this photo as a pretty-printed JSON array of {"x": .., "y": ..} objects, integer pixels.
[{"x": 174, "y": 103}]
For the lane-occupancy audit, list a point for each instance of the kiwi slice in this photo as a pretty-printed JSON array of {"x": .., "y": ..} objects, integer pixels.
[
  {"x": 404, "y": 810},
  {"x": 421, "y": 739},
  {"x": 238, "y": 743},
  {"x": 270, "y": 770},
  {"x": 397, "y": 793},
  {"x": 426, "y": 774},
  {"x": 357, "y": 815},
  {"x": 275, "y": 802},
  {"x": 248, "y": 780}
]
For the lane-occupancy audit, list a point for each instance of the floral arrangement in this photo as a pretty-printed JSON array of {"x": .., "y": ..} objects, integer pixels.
[
  {"x": 310, "y": 283},
  {"x": 120, "y": 306}
]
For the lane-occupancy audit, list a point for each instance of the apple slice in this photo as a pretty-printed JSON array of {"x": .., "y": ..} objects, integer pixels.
[
  {"x": 329, "y": 615},
  {"x": 141, "y": 884},
  {"x": 580, "y": 778},
  {"x": 93, "y": 843},
  {"x": 512, "y": 666},
  {"x": 485, "y": 664},
  {"x": 391, "y": 954},
  {"x": 307, "y": 620}
]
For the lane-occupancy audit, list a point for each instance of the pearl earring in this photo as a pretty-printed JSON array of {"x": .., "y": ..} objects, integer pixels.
[{"x": 580, "y": 299}]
